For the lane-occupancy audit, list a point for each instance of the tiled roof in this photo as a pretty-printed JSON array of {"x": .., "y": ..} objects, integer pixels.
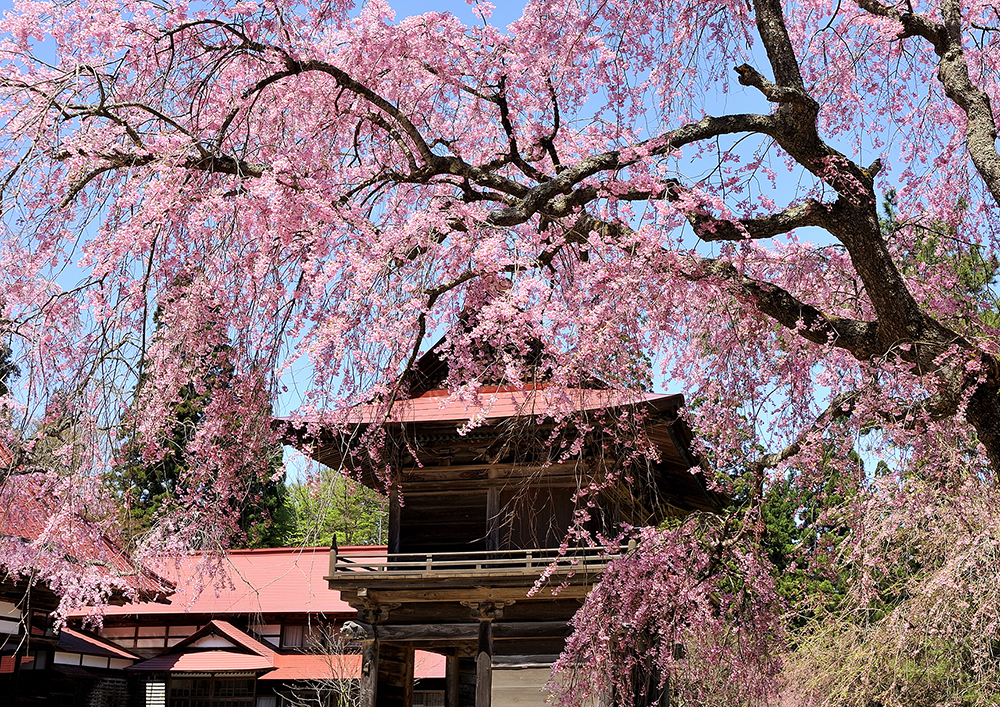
[
  {"x": 267, "y": 581},
  {"x": 27, "y": 506}
]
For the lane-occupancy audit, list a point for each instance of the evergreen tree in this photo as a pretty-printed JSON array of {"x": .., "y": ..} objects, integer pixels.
[
  {"x": 151, "y": 488},
  {"x": 9, "y": 370},
  {"x": 332, "y": 507}
]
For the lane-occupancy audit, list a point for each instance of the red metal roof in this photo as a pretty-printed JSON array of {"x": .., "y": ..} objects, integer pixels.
[
  {"x": 204, "y": 662},
  {"x": 428, "y": 665},
  {"x": 27, "y": 508},
  {"x": 74, "y": 671},
  {"x": 239, "y": 638},
  {"x": 80, "y": 642},
  {"x": 267, "y": 581},
  {"x": 504, "y": 402},
  {"x": 325, "y": 667},
  {"x": 246, "y": 654},
  {"x": 6, "y": 456},
  {"x": 315, "y": 667}
]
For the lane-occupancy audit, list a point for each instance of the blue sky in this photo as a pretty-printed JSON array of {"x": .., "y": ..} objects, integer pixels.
[{"x": 503, "y": 14}]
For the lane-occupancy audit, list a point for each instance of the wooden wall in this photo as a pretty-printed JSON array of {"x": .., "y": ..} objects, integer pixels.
[{"x": 443, "y": 522}]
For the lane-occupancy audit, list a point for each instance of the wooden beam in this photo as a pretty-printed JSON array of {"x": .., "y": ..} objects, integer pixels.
[
  {"x": 538, "y": 660},
  {"x": 473, "y": 591},
  {"x": 532, "y": 629},
  {"x": 493, "y": 519},
  {"x": 484, "y": 664},
  {"x": 422, "y": 488},
  {"x": 458, "y": 632}
]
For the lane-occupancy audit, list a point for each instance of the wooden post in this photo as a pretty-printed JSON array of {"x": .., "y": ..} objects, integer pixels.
[
  {"x": 333, "y": 557},
  {"x": 646, "y": 689},
  {"x": 484, "y": 664},
  {"x": 369, "y": 673},
  {"x": 394, "y": 520},
  {"x": 409, "y": 657},
  {"x": 451, "y": 681},
  {"x": 493, "y": 514}
]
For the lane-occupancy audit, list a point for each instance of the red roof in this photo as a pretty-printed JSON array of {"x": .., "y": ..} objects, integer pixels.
[
  {"x": 29, "y": 506},
  {"x": 246, "y": 654},
  {"x": 315, "y": 667},
  {"x": 428, "y": 665},
  {"x": 6, "y": 457},
  {"x": 327, "y": 667},
  {"x": 243, "y": 653},
  {"x": 504, "y": 402},
  {"x": 74, "y": 671},
  {"x": 238, "y": 638},
  {"x": 204, "y": 662},
  {"x": 266, "y": 581},
  {"x": 79, "y": 642}
]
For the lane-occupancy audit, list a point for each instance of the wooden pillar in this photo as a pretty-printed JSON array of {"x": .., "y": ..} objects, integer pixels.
[
  {"x": 493, "y": 519},
  {"x": 410, "y": 657},
  {"x": 451, "y": 681},
  {"x": 369, "y": 673},
  {"x": 493, "y": 512},
  {"x": 646, "y": 689},
  {"x": 484, "y": 664},
  {"x": 395, "y": 510},
  {"x": 333, "y": 557}
]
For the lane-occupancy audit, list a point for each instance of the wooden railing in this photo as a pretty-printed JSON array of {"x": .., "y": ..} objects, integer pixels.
[{"x": 533, "y": 561}]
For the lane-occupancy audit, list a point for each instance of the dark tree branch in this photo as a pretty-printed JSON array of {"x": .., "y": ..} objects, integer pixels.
[
  {"x": 842, "y": 406},
  {"x": 774, "y": 35},
  {"x": 953, "y": 72}
]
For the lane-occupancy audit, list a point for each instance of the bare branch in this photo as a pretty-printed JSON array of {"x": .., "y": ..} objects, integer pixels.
[
  {"x": 840, "y": 407},
  {"x": 537, "y": 198},
  {"x": 953, "y": 72}
]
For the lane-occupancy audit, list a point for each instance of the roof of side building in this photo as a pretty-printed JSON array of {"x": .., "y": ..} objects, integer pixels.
[{"x": 263, "y": 581}]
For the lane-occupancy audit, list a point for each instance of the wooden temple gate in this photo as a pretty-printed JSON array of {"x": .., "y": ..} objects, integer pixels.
[{"x": 477, "y": 516}]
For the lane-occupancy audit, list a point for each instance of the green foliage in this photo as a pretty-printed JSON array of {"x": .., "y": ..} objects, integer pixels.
[
  {"x": 938, "y": 246},
  {"x": 9, "y": 370},
  {"x": 149, "y": 489},
  {"x": 804, "y": 533},
  {"x": 266, "y": 516},
  {"x": 797, "y": 528},
  {"x": 332, "y": 506}
]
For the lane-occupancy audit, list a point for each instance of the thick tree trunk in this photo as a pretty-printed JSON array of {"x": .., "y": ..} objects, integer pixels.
[{"x": 983, "y": 413}]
